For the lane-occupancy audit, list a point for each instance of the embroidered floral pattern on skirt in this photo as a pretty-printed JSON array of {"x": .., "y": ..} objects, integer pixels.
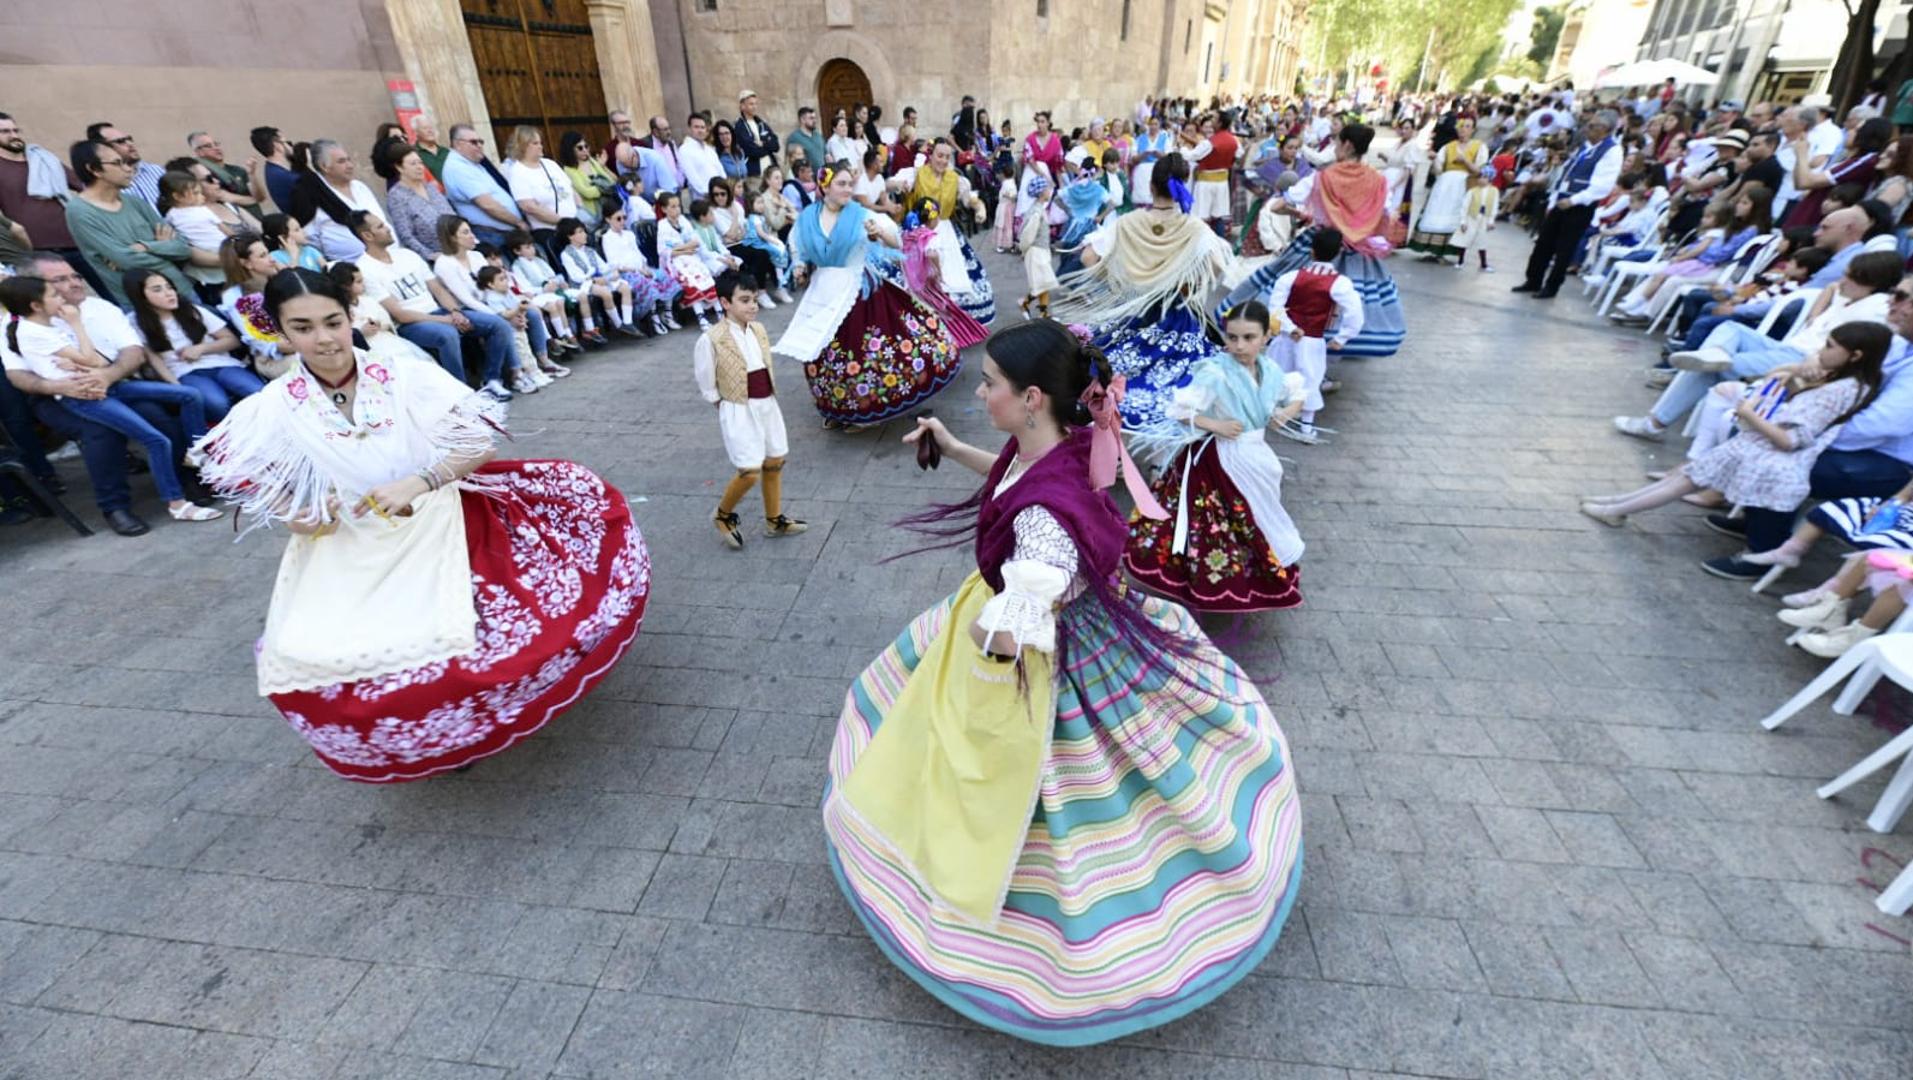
[
  {"x": 889, "y": 355},
  {"x": 1226, "y": 564}
]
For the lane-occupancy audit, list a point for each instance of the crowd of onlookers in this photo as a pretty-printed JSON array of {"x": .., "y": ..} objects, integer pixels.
[{"x": 1770, "y": 244}]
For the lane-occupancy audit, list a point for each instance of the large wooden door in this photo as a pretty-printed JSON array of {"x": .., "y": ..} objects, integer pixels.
[
  {"x": 841, "y": 84},
  {"x": 537, "y": 65}
]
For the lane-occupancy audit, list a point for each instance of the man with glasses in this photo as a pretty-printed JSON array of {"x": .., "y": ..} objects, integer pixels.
[
  {"x": 279, "y": 174},
  {"x": 238, "y": 184},
  {"x": 476, "y": 189},
  {"x": 34, "y": 186},
  {"x": 669, "y": 167},
  {"x": 116, "y": 233},
  {"x": 146, "y": 175}
]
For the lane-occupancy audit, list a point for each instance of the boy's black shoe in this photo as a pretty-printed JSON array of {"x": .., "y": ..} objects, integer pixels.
[{"x": 1727, "y": 526}]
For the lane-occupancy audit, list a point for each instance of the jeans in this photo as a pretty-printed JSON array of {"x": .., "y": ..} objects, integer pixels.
[
  {"x": 219, "y": 387},
  {"x": 1838, "y": 474},
  {"x": 116, "y": 411},
  {"x": 442, "y": 341},
  {"x": 104, "y": 449},
  {"x": 16, "y": 419},
  {"x": 536, "y": 332},
  {"x": 1754, "y": 354}
]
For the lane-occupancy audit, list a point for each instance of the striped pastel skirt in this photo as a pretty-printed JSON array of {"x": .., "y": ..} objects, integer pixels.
[
  {"x": 1163, "y": 853},
  {"x": 1383, "y": 325}
]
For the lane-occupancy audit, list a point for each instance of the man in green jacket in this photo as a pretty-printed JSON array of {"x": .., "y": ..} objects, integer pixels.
[{"x": 116, "y": 233}]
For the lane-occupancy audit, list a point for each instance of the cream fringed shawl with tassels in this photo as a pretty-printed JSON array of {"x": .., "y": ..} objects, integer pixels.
[
  {"x": 378, "y": 595},
  {"x": 1153, "y": 256}
]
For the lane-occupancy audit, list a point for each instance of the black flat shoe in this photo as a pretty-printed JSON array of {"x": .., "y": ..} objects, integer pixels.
[
  {"x": 124, "y": 523},
  {"x": 1525, "y": 287}
]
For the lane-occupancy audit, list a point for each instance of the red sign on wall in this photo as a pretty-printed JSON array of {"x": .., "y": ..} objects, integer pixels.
[{"x": 404, "y": 103}]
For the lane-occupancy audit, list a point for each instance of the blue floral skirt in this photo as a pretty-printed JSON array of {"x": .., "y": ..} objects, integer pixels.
[
  {"x": 980, "y": 303},
  {"x": 1153, "y": 352}
]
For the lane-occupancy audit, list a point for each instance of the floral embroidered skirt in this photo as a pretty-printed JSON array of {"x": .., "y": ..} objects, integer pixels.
[
  {"x": 1226, "y": 563},
  {"x": 1154, "y": 352},
  {"x": 890, "y": 354},
  {"x": 560, "y": 576}
]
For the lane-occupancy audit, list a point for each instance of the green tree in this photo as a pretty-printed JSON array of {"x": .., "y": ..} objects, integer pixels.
[
  {"x": 1548, "y": 22},
  {"x": 1346, "y": 35}
]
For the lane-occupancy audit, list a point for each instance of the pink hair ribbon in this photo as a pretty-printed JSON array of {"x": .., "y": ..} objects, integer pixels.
[{"x": 1106, "y": 449}]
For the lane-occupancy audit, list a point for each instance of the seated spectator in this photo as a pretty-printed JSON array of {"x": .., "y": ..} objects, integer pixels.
[
  {"x": 414, "y": 204},
  {"x": 1785, "y": 423},
  {"x": 325, "y": 199},
  {"x": 536, "y": 279},
  {"x": 477, "y": 190},
  {"x": 286, "y": 239},
  {"x": 801, "y": 189},
  {"x": 116, "y": 232},
  {"x": 456, "y": 268},
  {"x": 591, "y": 182},
  {"x": 238, "y": 185},
  {"x": 191, "y": 346},
  {"x": 1861, "y": 296},
  {"x": 730, "y": 155},
  {"x": 34, "y": 184},
  {"x": 1748, "y": 303},
  {"x": 1804, "y": 132},
  {"x": 538, "y": 185},
  {"x": 146, "y": 175},
  {"x": 372, "y": 321},
  {"x": 1893, "y": 183},
  {"x": 1855, "y": 164},
  {"x": 183, "y": 202},
  {"x": 241, "y": 217},
  {"x": 594, "y": 278},
  {"x": 730, "y": 219},
  {"x": 280, "y": 176},
  {"x": 505, "y": 302},
  {"x": 1730, "y": 226},
  {"x": 1825, "y": 631},
  {"x": 50, "y": 351},
  {"x": 427, "y": 315},
  {"x": 653, "y": 292},
  {"x": 248, "y": 265}
]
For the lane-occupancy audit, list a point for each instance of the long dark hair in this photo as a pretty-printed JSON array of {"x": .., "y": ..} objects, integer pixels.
[
  {"x": 152, "y": 328},
  {"x": 1869, "y": 342},
  {"x": 18, "y": 295},
  {"x": 298, "y": 281}
]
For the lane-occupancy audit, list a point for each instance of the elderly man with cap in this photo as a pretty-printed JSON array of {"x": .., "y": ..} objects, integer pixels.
[
  {"x": 754, "y": 137},
  {"x": 1709, "y": 168}
]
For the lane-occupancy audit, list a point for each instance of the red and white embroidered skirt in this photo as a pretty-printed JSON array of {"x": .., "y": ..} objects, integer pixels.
[{"x": 560, "y": 577}]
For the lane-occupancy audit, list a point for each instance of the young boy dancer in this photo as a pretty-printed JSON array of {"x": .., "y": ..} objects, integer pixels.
[{"x": 732, "y": 365}]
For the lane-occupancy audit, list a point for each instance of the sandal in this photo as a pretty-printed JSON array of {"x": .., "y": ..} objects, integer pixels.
[{"x": 194, "y": 512}]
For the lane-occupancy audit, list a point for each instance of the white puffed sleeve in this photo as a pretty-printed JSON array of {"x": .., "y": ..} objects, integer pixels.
[
  {"x": 1035, "y": 579},
  {"x": 1188, "y": 402}
]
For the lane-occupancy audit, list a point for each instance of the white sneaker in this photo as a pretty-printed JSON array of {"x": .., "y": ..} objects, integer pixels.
[
  {"x": 1829, "y": 613},
  {"x": 523, "y": 383},
  {"x": 1832, "y": 644},
  {"x": 783, "y": 295},
  {"x": 1641, "y": 427},
  {"x": 1707, "y": 360},
  {"x": 764, "y": 301},
  {"x": 1806, "y": 597},
  {"x": 67, "y": 452},
  {"x": 496, "y": 391},
  {"x": 671, "y": 320},
  {"x": 556, "y": 371},
  {"x": 1658, "y": 378}
]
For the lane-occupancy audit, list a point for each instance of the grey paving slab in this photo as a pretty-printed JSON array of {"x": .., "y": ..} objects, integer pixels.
[{"x": 1546, "y": 838}]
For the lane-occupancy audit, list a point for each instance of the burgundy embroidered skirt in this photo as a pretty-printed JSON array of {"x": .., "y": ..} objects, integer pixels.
[
  {"x": 1226, "y": 564},
  {"x": 560, "y": 577},
  {"x": 890, "y": 354}
]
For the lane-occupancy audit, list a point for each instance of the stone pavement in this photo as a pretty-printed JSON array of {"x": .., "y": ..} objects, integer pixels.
[{"x": 1545, "y": 836}]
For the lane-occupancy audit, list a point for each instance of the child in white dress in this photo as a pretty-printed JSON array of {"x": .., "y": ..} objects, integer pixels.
[
  {"x": 1037, "y": 266},
  {"x": 373, "y": 322}
]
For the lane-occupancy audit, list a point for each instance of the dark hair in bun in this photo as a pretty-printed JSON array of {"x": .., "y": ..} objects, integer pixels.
[
  {"x": 1044, "y": 353},
  {"x": 1173, "y": 166},
  {"x": 298, "y": 281}
]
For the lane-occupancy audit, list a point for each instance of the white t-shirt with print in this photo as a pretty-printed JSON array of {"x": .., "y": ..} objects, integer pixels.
[{"x": 406, "y": 279}]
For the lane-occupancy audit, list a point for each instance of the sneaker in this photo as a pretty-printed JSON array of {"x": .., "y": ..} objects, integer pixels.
[
  {"x": 524, "y": 383},
  {"x": 783, "y": 295},
  {"x": 1640, "y": 427},
  {"x": 1733, "y": 569},
  {"x": 1832, "y": 644},
  {"x": 704, "y": 321},
  {"x": 671, "y": 320},
  {"x": 1658, "y": 378},
  {"x": 1624, "y": 317},
  {"x": 783, "y": 525},
  {"x": 1707, "y": 361},
  {"x": 658, "y": 326},
  {"x": 1329, "y": 386},
  {"x": 1602, "y": 514},
  {"x": 765, "y": 302},
  {"x": 1829, "y": 613},
  {"x": 728, "y": 531},
  {"x": 67, "y": 452},
  {"x": 555, "y": 369},
  {"x": 595, "y": 339},
  {"x": 629, "y": 330},
  {"x": 1807, "y": 597},
  {"x": 1487, "y": 269},
  {"x": 1727, "y": 526},
  {"x": 496, "y": 391}
]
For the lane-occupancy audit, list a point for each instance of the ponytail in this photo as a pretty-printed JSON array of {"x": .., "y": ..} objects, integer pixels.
[{"x": 18, "y": 295}]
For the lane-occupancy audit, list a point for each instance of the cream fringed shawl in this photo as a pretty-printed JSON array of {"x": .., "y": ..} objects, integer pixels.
[
  {"x": 378, "y": 595},
  {"x": 1154, "y": 256}
]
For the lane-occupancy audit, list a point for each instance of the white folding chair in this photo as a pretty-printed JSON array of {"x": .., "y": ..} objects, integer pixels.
[{"x": 1889, "y": 654}]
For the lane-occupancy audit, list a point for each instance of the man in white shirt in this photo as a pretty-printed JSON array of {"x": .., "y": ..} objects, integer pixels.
[
  {"x": 339, "y": 174},
  {"x": 1802, "y": 123},
  {"x": 698, "y": 158},
  {"x": 103, "y": 448},
  {"x": 426, "y": 312},
  {"x": 1585, "y": 180}
]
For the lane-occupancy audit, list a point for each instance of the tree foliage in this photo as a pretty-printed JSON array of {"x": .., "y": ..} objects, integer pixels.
[
  {"x": 1548, "y": 22},
  {"x": 1351, "y": 35}
]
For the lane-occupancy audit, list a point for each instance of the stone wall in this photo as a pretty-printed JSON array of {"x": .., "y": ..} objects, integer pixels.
[{"x": 159, "y": 71}]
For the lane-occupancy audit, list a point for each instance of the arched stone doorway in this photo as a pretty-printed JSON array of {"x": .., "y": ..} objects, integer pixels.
[{"x": 841, "y": 84}]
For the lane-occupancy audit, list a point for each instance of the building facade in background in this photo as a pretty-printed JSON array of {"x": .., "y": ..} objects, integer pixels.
[
  {"x": 340, "y": 69},
  {"x": 1598, "y": 35},
  {"x": 1763, "y": 50}
]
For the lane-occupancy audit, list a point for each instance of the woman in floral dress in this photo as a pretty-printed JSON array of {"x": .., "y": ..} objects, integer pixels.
[
  {"x": 871, "y": 351},
  {"x": 433, "y": 606}
]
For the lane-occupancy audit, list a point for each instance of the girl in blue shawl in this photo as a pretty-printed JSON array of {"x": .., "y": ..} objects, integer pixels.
[{"x": 871, "y": 351}]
